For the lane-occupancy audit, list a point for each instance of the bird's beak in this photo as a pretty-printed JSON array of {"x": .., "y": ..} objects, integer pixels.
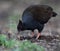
[{"x": 54, "y": 14}]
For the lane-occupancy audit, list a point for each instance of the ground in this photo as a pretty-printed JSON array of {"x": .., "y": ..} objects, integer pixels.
[{"x": 49, "y": 42}]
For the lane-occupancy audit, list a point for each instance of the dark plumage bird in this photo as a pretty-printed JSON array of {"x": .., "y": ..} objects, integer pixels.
[{"x": 34, "y": 17}]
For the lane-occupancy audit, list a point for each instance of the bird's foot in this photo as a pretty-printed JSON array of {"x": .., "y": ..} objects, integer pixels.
[{"x": 38, "y": 35}]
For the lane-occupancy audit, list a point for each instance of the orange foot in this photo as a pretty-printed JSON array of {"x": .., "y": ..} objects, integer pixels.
[{"x": 38, "y": 35}]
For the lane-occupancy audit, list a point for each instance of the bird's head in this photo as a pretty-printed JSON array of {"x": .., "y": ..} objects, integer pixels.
[{"x": 20, "y": 26}]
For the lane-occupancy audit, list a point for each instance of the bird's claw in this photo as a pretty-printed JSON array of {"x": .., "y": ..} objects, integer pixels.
[{"x": 38, "y": 35}]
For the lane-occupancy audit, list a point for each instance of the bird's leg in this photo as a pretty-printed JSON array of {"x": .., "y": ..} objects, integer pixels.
[
  {"x": 38, "y": 35},
  {"x": 18, "y": 35},
  {"x": 32, "y": 34}
]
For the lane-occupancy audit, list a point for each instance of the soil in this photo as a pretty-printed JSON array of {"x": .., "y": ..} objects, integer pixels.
[{"x": 50, "y": 43}]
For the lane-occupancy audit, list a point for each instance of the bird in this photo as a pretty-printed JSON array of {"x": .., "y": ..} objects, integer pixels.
[{"x": 35, "y": 17}]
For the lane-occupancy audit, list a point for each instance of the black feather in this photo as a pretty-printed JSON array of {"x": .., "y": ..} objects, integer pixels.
[{"x": 35, "y": 16}]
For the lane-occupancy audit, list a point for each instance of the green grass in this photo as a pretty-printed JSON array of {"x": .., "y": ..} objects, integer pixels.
[
  {"x": 28, "y": 46},
  {"x": 3, "y": 38},
  {"x": 22, "y": 45},
  {"x": 5, "y": 42}
]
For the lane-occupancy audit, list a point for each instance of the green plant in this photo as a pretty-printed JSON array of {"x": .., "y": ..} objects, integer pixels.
[
  {"x": 5, "y": 42},
  {"x": 10, "y": 43},
  {"x": 3, "y": 38},
  {"x": 20, "y": 45},
  {"x": 28, "y": 46}
]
